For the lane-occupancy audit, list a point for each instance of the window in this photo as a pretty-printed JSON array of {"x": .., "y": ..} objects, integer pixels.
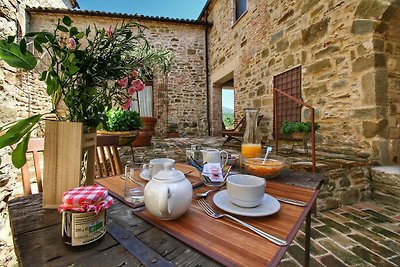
[
  {"x": 290, "y": 83},
  {"x": 145, "y": 102},
  {"x": 240, "y": 8}
]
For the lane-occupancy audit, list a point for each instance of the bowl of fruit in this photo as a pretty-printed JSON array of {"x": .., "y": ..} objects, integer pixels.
[{"x": 268, "y": 168}]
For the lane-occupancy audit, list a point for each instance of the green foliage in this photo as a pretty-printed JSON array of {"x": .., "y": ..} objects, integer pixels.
[
  {"x": 228, "y": 120},
  {"x": 83, "y": 76},
  {"x": 16, "y": 131},
  {"x": 122, "y": 120},
  {"x": 17, "y": 56},
  {"x": 297, "y": 126}
]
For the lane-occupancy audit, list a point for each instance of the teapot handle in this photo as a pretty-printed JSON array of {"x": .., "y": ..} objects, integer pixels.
[
  {"x": 226, "y": 156},
  {"x": 164, "y": 195}
]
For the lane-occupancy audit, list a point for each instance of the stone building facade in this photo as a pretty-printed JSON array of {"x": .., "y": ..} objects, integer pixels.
[
  {"x": 349, "y": 56},
  {"x": 348, "y": 52},
  {"x": 180, "y": 98}
]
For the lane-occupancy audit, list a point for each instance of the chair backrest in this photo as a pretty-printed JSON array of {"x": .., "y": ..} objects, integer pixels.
[
  {"x": 35, "y": 147},
  {"x": 108, "y": 162}
]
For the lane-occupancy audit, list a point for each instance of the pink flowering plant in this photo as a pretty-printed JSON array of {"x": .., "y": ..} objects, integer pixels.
[{"x": 89, "y": 71}]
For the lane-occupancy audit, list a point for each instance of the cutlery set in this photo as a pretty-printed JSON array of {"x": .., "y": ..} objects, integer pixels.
[{"x": 216, "y": 215}]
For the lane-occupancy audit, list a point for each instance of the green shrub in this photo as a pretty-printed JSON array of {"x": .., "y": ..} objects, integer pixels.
[
  {"x": 228, "y": 120},
  {"x": 289, "y": 127},
  {"x": 122, "y": 120}
]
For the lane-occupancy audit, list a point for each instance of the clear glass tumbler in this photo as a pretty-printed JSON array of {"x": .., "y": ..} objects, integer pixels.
[{"x": 134, "y": 185}]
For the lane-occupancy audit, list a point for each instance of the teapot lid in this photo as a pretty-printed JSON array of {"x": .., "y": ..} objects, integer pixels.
[{"x": 169, "y": 175}]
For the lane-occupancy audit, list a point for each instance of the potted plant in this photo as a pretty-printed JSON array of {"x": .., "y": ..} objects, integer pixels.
[
  {"x": 84, "y": 72},
  {"x": 159, "y": 60},
  {"x": 122, "y": 122},
  {"x": 298, "y": 130},
  {"x": 172, "y": 130}
]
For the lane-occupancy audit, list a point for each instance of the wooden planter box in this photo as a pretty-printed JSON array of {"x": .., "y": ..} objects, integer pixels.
[{"x": 64, "y": 146}]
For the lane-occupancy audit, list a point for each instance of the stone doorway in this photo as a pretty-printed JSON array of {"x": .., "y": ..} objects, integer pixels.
[{"x": 226, "y": 82}]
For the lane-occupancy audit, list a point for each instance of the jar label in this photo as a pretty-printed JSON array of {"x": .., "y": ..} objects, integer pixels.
[{"x": 85, "y": 227}]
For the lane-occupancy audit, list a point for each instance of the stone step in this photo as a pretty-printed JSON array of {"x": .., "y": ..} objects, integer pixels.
[{"x": 386, "y": 184}]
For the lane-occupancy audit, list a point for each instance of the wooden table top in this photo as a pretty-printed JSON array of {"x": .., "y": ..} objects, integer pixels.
[{"x": 130, "y": 240}]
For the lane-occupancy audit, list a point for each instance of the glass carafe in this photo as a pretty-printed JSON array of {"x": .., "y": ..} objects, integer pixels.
[{"x": 251, "y": 145}]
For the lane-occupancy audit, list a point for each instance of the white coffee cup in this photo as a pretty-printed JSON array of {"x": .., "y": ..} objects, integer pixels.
[
  {"x": 245, "y": 190},
  {"x": 156, "y": 165}
]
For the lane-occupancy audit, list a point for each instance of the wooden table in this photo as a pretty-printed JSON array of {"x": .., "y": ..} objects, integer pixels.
[{"x": 129, "y": 241}]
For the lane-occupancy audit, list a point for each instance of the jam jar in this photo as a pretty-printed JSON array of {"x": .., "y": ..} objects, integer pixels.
[{"x": 84, "y": 215}]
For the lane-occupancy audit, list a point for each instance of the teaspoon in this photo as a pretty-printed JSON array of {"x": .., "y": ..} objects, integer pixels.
[{"x": 205, "y": 194}]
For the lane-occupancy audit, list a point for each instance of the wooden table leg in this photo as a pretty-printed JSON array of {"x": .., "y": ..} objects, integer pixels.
[{"x": 307, "y": 240}]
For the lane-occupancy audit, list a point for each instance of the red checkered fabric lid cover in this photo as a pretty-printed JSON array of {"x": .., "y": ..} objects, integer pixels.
[{"x": 86, "y": 198}]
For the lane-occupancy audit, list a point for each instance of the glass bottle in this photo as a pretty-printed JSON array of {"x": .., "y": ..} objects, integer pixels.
[{"x": 251, "y": 145}]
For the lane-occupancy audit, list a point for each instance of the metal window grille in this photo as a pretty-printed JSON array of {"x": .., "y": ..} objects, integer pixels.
[{"x": 287, "y": 110}]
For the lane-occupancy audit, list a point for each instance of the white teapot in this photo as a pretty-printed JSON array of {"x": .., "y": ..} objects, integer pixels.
[{"x": 168, "y": 194}]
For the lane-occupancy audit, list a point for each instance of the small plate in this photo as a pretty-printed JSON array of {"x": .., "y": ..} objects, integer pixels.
[
  {"x": 268, "y": 206},
  {"x": 145, "y": 175}
]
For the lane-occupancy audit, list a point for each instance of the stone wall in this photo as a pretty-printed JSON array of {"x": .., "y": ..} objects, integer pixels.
[
  {"x": 338, "y": 44},
  {"x": 349, "y": 55},
  {"x": 179, "y": 98},
  {"x": 392, "y": 52},
  {"x": 386, "y": 184}
]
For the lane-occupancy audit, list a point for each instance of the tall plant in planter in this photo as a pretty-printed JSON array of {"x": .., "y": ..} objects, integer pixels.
[
  {"x": 160, "y": 62},
  {"x": 84, "y": 70}
]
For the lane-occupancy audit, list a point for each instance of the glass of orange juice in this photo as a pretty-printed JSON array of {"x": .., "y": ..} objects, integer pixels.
[{"x": 251, "y": 150}]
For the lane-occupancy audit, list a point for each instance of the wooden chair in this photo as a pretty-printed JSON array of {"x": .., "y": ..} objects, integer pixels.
[
  {"x": 238, "y": 132},
  {"x": 108, "y": 162},
  {"x": 35, "y": 146}
]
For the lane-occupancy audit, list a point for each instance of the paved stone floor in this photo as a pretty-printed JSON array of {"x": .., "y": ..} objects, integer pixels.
[{"x": 364, "y": 234}]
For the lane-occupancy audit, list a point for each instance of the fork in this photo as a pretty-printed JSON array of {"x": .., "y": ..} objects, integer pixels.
[{"x": 216, "y": 215}]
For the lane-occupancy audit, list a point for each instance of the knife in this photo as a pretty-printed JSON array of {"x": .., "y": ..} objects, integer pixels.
[{"x": 292, "y": 201}]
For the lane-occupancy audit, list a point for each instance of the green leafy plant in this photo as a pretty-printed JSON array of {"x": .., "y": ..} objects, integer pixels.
[
  {"x": 85, "y": 72},
  {"x": 289, "y": 127},
  {"x": 122, "y": 120},
  {"x": 228, "y": 120}
]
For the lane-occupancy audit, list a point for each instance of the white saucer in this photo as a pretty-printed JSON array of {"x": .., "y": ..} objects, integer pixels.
[
  {"x": 268, "y": 206},
  {"x": 145, "y": 175}
]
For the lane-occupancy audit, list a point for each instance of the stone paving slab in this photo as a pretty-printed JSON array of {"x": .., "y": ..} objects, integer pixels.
[{"x": 372, "y": 239}]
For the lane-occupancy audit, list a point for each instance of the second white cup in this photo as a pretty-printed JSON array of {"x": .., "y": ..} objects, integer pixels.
[
  {"x": 157, "y": 165},
  {"x": 245, "y": 190}
]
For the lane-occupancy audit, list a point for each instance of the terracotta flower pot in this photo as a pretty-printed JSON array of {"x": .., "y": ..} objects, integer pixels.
[{"x": 146, "y": 133}]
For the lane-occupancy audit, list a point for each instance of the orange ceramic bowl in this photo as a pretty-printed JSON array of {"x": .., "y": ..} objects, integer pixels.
[{"x": 268, "y": 169}]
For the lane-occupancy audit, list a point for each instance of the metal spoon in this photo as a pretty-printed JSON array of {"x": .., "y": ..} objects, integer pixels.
[
  {"x": 266, "y": 153},
  {"x": 205, "y": 194}
]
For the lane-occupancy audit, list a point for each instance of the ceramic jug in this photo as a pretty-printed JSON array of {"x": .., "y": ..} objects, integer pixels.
[
  {"x": 168, "y": 194},
  {"x": 213, "y": 155}
]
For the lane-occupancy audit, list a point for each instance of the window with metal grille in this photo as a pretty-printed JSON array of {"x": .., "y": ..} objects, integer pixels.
[{"x": 288, "y": 110}]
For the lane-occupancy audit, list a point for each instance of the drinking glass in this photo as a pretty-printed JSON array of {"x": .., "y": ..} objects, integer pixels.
[{"x": 134, "y": 185}]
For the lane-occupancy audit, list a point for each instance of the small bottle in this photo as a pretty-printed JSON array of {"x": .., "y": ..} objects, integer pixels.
[{"x": 251, "y": 145}]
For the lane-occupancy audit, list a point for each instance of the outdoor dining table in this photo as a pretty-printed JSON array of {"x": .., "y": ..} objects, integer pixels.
[{"x": 134, "y": 237}]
